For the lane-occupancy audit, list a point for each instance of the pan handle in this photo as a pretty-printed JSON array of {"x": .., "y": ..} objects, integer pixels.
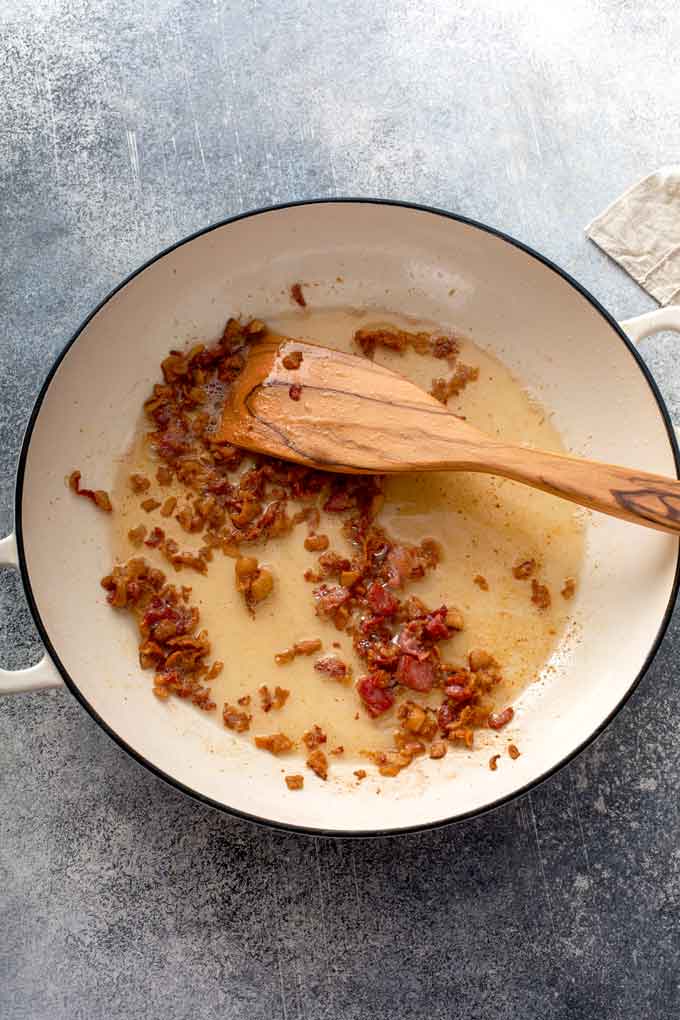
[
  {"x": 44, "y": 674},
  {"x": 652, "y": 322}
]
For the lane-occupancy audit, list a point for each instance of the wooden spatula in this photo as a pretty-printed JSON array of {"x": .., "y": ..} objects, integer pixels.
[{"x": 340, "y": 412}]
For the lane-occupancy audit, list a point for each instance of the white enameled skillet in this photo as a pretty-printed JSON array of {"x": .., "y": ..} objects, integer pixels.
[{"x": 544, "y": 326}]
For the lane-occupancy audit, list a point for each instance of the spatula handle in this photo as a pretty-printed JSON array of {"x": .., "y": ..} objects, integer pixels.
[{"x": 651, "y": 500}]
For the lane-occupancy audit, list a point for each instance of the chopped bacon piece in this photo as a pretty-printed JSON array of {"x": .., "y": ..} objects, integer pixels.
[
  {"x": 292, "y": 360},
  {"x": 295, "y": 392},
  {"x": 381, "y": 601},
  {"x": 339, "y": 500},
  {"x": 330, "y": 598},
  {"x": 297, "y": 295},
  {"x": 316, "y": 543},
  {"x": 235, "y": 720},
  {"x": 332, "y": 666},
  {"x": 479, "y": 659},
  {"x": 523, "y": 569},
  {"x": 445, "y": 347},
  {"x": 419, "y": 676},
  {"x": 275, "y": 743},
  {"x": 410, "y": 641},
  {"x": 458, "y": 693},
  {"x": 139, "y": 483},
  {"x": 540, "y": 594},
  {"x": 318, "y": 762},
  {"x": 376, "y": 699},
  {"x": 436, "y": 626},
  {"x": 314, "y": 737},
  {"x": 442, "y": 389},
  {"x": 98, "y": 496},
  {"x": 497, "y": 720},
  {"x": 295, "y": 782},
  {"x": 399, "y": 563}
]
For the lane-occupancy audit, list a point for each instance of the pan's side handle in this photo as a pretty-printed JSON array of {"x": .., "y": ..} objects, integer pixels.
[
  {"x": 652, "y": 322},
  {"x": 44, "y": 673}
]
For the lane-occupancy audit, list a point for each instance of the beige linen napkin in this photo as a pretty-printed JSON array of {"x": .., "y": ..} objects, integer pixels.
[{"x": 641, "y": 231}]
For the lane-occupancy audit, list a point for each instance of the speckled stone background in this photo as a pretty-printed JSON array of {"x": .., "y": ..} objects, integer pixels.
[{"x": 126, "y": 124}]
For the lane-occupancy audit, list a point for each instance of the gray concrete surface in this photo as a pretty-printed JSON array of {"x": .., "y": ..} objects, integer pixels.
[{"x": 125, "y": 125}]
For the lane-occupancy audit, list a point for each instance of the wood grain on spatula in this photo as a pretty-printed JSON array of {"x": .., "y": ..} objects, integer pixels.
[{"x": 344, "y": 413}]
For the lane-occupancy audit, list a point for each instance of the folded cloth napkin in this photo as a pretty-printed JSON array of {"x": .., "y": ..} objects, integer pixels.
[{"x": 641, "y": 231}]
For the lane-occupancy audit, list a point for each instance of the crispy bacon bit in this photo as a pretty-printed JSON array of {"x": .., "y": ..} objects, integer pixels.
[
  {"x": 268, "y": 702},
  {"x": 454, "y": 619},
  {"x": 444, "y": 347},
  {"x": 295, "y": 391},
  {"x": 307, "y": 647},
  {"x": 297, "y": 295},
  {"x": 339, "y": 500},
  {"x": 443, "y": 389},
  {"x": 265, "y": 698},
  {"x": 497, "y": 720},
  {"x": 462, "y": 735},
  {"x": 381, "y": 601},
  {"x": 569, "y": 588},
  {"x": 316, "y": 543},
  {"x": 137, "y": 535},
  {"x": 391, "y": 338},
  {"x": 481, "y": 582},
  {"x": 318, "y": 762},
  {"x": 390, "y": 763},
  {"x": 540, "y": 594},
  {"x": 164, "y": 475},
  {"x": 314, "y": 737},
  {"x": 295, "y": 782},
  {"x": 155, "y": 538},
  {"x": 479, "y": 659},
  {"x": 299, "y": 648},
  {"x": 245, "y": 700},
  {"x": 430, "y": 552},
  {"x": 235, "y": 720},
  {"x": 168, "y": 506},
  {"x": 412, "y": 716},
  {"x": 333, "y": 667},
  {"x": 375, "y": 697},
  {"x": 293, "y": 360},
  {"x": 275, "y": 743},
  {"x": 99, "y": 497},
  {"x": 139, "y": 483},
  {"x": 438, "y": 749},
  {"x": 253, "y": 581},
  {"x": 523, "y": 569},
  {"x": 419, "y": 676},
  {"x": 150, "y": 504},
  {"x": 337, "y": 750},
  {"x": 493, "y": 762},
  {"x": 513, "y": 751},
  {"x": 360, "y": 774},
  {"x": 330, "y": 602},
  {"x": 282, "y": 658},
  {"x": 281, "y": 696}
]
